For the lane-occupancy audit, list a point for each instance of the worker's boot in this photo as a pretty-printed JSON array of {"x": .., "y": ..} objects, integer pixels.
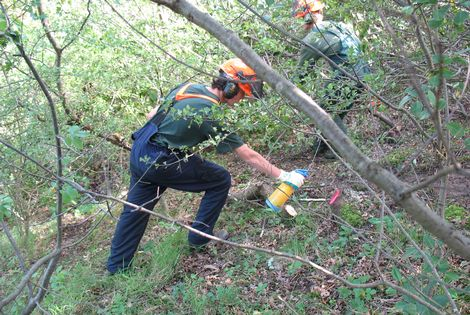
[
  {"x": 319, "y": 146},
  {"x": 340, "y": 123},
  {"x": 222, "y": 234}
]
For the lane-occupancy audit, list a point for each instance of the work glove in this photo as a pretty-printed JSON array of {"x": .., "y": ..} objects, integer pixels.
[{"x": 294, "y": 178}]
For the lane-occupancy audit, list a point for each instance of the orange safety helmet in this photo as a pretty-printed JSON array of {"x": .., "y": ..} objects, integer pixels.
[
  {"x": 236, "y": 69},
  {"x": 300, "y": 8}
]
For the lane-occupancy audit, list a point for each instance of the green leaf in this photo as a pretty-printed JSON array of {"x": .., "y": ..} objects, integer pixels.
[
  {"x": 344, "y": 292},
  {"x": 69, "y": 194},
  {"x": 3, "y": 24},
  {"x": 438, "y": 16},
  {"x": 153, "y": 95},
  {"x": 460, "y": 17},
  {"x": 404, "y": 100},
  {"x": 440, "y": 13},
  {"x": 456, "y": 129},
  {"x": 442, "y": 266},
  {"x": 410, "y": 91},
  {"x": 431, "y": 98},
  {"x": 408, "y": 10},
  {"x": 467, "y": 143},
  {"x": 418, "y": 111},
  {"x": 429, "y": 241},
  {"x": 442, "y": 300},
  {"x": 441, "y": 58},
  {"x": 447, "y": 73},
  {"x": 391, "y": 291},
  {"x": 396, "y": 274},
  {"x": 435, "y": 23},
  {"x": 6, "y": 204},
  {"x": 406, "y": 308},
  {"x": 460, "y": 60},
  {"x": 434, "y": 81},
  {"x": 85, "y": 209},
  {"x": 75, "y": 136},
  {"x": 269, "y": 2},
  {"x": 76, "y": 131},
  {"x": 451, "y": 276},
  {"x": 441, "y": 104},
  {"x": 375, "y": 221}
]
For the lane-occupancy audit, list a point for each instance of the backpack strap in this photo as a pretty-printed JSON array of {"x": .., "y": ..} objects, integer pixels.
[{"x": 182, "y": 96}]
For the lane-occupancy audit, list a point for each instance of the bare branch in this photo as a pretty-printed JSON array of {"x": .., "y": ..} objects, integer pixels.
[
  {"x": 444, "y": 172},
  {"x": 18, "y": 254},
  {"x": 27, "y": 277}
]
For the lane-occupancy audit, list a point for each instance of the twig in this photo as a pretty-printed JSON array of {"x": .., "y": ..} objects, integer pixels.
[
  {"x": 18, "y": 254},
  {"x": 443, "y": 172},
  {"x": 287, "y": 304},
  {"x": 312, "y": 199},
  {"x": 262, "y": 227},
  {"x": 27, "y": 277},
  {"x": 467, "y": 79},
  {"x": 59, "y": 168}
]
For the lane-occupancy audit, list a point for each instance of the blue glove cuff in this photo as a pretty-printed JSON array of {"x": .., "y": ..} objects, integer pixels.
[{"x": 302, "y": 172}]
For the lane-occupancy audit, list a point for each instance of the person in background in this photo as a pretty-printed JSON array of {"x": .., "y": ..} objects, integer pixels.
[
  {"x": 161, "y": 158},
  {"x": 339, "y": 43}
]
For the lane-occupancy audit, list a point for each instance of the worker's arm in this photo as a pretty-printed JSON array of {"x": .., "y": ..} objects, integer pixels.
[
  {"x": 153, "y": 112},
  {"x": 256, "y": 160}
]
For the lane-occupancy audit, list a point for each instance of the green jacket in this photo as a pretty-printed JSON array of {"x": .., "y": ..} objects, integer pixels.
[
  {"x": 337, "y": 42},
  {"x": 191, "y": 121}
]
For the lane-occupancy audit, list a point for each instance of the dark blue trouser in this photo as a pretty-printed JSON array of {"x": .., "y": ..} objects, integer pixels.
[{"x": 154, "y": 168}]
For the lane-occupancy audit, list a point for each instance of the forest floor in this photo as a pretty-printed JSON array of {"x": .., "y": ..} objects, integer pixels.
[{"x": 168, "y": 278}]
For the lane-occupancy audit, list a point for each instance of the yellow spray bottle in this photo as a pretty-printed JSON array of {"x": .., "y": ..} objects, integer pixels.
[{"x": 282, "y": 193}]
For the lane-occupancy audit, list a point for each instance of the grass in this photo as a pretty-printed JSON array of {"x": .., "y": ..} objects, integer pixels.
[
  {"x": 457, "y": 213},
  {"x": 85, "y": 288},
  {"x": 168, "y": 279}
]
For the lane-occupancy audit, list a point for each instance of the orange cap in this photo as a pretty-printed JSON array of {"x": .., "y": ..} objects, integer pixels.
[
  {"x": 301, "y": 8},
  {"x": 238, "y": 70}
]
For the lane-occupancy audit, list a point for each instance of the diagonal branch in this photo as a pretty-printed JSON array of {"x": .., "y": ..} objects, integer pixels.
[
  {"x": 18, "y": 253},
  {"x": 369, "y": 169}
]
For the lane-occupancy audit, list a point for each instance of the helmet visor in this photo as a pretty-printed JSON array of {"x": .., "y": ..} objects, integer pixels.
[
  {"x": 252, "y": 89},
  {"x": 257, "y": 89}
]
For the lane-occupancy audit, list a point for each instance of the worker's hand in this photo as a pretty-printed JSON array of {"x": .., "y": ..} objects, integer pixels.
[{"x": 293, "y": 177}]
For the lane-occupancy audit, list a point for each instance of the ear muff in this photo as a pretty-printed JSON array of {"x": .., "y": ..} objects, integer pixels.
[{"x": 231, "y": 89}]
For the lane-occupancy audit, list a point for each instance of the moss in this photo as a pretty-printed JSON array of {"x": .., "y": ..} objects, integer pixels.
[
  {"x": 458, "y": 214},
  {"x": 352, "y": 215},
  {"x": 398, "y": 156}
]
